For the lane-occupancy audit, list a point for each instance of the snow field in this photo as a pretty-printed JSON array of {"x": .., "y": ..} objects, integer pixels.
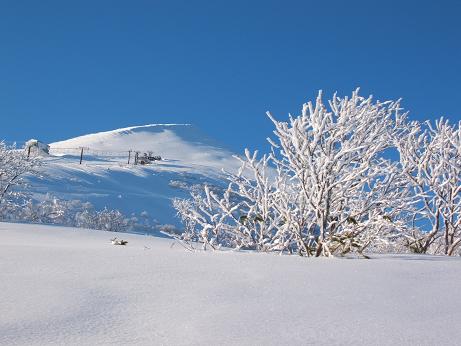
[{"x": 72, "y": 286}]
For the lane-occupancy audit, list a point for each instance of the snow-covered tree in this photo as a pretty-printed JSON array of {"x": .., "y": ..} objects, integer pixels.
[
  {"x": 325, "y": 188},
  {"x": 203, "y": 217},
  {"x": 49, "y": 211},
  {"x": 14, "y": 166},
  {"x": 76, "y": 213},
  {"x": 431, "y": 161},
  {"x": 111, "y": 220},
  {"x": 346, "y": 192}
]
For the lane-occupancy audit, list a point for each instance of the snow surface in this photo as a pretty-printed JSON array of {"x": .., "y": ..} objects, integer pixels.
[
  {"x": 106, "y": 180},
  {"x": 69, "y": 286},
  {"x": 181, "y": 143}
]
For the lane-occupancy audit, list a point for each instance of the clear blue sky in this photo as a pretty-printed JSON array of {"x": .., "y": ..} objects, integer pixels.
[{"x": 74, "y": 67}]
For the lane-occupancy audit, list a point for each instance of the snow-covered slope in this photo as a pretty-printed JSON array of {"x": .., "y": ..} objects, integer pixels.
[
  {"x": 180, "y": 143},
  {"x": 72, "y": 287},
  {"x": 105, "y": 179}
]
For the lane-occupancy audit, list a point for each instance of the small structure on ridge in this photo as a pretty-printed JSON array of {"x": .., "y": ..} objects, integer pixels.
[{"x": 35, "y": 147}]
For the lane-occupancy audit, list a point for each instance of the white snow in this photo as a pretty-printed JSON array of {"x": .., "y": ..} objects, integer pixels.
[
  {"x": 105, "y": 179},
  {"x": 182, "y": 143},
  {"x": 69, "y": 286}
]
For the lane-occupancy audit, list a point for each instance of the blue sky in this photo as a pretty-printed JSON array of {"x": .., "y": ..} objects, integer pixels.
[{"x": 74, "y": 67}]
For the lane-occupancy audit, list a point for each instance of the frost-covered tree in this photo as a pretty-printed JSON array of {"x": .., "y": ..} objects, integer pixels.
[
  {"x": 346, "y": 192},
  {"x": 111, "y": 220},
  {"x": 204, "y": 219},
  {"x": 431, "y": 161},
  {"x": 14, "y": 166},
  {"x": 49, "y": 211},
  {"x": 325, "y": 188},
  {"x": 76, "y": 213},
  {"x": 242, "y": 216}
]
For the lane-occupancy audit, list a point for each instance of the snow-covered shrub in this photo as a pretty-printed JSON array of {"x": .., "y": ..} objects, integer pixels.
[
  {"x": 111, "y": 220},
  {"x": 169, "y": 229},
  {"x": 76, "y": 213},
  {"x": 105, "y": 220},
  {"x": 178, "y": 184},
  {"x": 326, "y": 187},
  {"x": 49, "y": 211}
]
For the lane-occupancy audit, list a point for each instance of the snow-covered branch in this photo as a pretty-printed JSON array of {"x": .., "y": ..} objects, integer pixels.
[
  {"x": 431, "y": 161},
  {"x": 14, "y": 166}
]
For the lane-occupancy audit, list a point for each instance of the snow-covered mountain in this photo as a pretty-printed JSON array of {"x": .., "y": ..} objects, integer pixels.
[
  {"x": 107, "y": 180},
  {"x": 183, "y": 144}
]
